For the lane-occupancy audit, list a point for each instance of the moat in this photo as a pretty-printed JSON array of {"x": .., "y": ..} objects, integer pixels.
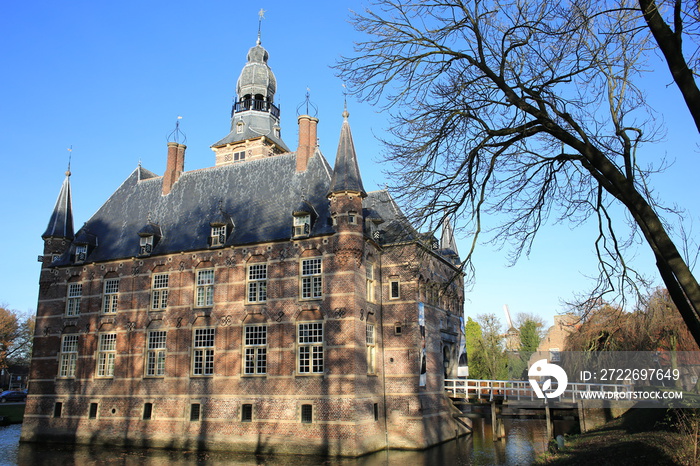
[{"x": 525, "y": 439}]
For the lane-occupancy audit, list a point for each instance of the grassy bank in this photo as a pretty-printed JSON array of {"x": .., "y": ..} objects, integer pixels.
[
  {"x": 641, "y": 436},
  {"x": 11, "y": 413}
]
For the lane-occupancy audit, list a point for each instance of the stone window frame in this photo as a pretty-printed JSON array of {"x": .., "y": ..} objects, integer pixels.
[
  {"x": 93, "y": 410},
  {"x": 247, "y": 412},
  {"x": 370, "y": 282},
  {"x": 110, "y": 296},
  {"x": 204, "y": 287},
  {"x": 160, "y": 289},
  {"x": 256, "y": 282},
  {"x": 306, "y": 412},
  {"x": 311, "y": 278},
  {"x": 203, "y": 351},
  {"x": 310, "y": 343},
  {"x": 371, "y": 345},
  {"x": 394, "y": 288},
  {"x": 106, "y": 355},
  {"x": 73, "y": 297},
  {"x": 68, "y": 359},
  {"x": 147, "y": 411},
  {"x": 195, "y": 411},
  {"x": 155, "y": 354},
  {"x": 255, "y": 354}
]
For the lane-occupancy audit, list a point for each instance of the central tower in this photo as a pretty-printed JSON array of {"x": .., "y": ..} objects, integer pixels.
[{"x": 255, "y": 119}]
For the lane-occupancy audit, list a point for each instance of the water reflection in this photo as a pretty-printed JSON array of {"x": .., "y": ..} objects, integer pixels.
[{"x": 524, "y": 440}]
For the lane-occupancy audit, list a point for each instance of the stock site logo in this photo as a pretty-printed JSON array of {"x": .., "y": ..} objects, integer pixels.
[{"x": 544, "y": 369}]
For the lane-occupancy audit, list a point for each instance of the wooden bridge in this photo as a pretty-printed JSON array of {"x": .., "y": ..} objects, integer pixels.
[
  {"x": 515, "y": 391},
  {"x": 518, "y": 396}
]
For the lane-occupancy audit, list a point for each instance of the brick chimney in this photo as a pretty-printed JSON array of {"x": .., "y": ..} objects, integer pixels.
[
  {"x": 175, "y": 165},
  {"x": 307, "y": 141}
]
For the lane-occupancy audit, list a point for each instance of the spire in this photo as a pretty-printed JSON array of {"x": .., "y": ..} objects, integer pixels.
[
  {"x": 61, "y": 222},
  {"x": 447, "y": 239},
  {"x": 346, "y": 173}
]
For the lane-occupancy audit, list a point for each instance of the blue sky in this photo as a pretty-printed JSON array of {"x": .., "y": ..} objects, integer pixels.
[{"x": 111, "y": 78}]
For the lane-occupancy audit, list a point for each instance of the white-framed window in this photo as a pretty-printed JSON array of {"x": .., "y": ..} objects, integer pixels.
[
  {"x": 218, "y": 235},
  {"x": 146, "y": 245},
  {"x": 352, "y": 218},
  {"x": 239, "y": 156},
  {"x": 257, "y": 283},
  {"x": 203, "y": 352},
  {"x": 255, "y": 349},
  {"x": 371, "y": 349},
  {"x": 81, "y": 251},
  {"x": 69, "y": 356},
  {"x": 159, "y": 291},
  {"x": 155, "y": 354},
  {"x": 204, "y": 295},
  {"x": 394, "y": 289},
  {"x": 107, "y": 351},
  {"x": 311, "y": 278},
  {"x": 75, "y": 293},
  {"x": 302, "y": 225},
  {"x": 310, "y": 347},
  {"x": 110, "y": 296},
  {"x": 370, "y": 282}
]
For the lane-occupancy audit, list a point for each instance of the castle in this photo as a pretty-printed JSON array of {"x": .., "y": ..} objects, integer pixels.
[{"x": 265, "y": 304}]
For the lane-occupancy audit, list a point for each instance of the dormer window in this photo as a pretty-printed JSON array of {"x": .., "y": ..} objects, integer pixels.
[
  {"x": 146, "y": 245},
  {"x": 239, "y": 126},
  {"x": 81, "y": 251},
  {"x": 218, "y": 236},
  {"x": 149, "y": 236},
  {"x": 302, "y": 225}
]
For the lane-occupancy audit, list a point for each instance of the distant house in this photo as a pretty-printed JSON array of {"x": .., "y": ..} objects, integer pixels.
[
  {"x": 554, "y": 341},
  {"x": 14, "y": 377},
  {"x": 265, "y": 304}
]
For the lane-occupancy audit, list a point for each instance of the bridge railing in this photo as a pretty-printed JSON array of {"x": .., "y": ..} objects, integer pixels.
[{"x": 521, "y": 389}]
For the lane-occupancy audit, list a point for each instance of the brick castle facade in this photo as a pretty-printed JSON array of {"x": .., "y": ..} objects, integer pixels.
[{"x": 266, "y": 304}]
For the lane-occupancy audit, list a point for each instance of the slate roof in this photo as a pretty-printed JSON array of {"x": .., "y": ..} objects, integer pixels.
[
  {"x": 258, "y": 195},
  {"x": 395, "y": 227},
  {"x": 61, "y": 221},
  {"x": 346, "y": 172}
]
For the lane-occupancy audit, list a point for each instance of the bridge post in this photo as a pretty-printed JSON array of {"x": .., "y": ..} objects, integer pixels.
[{"x": 548, "y": 419}]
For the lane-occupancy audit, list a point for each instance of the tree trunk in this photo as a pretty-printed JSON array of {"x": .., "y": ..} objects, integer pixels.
[{"x": 670, "y": 44}]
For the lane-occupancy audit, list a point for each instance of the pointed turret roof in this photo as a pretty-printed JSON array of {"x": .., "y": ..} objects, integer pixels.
[
  {"x": 346, "y": 172},
  {"x": 61, "y": 222},
  {"x": 447, "y": 240}
]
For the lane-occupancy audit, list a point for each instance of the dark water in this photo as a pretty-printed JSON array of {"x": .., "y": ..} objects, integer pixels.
[{"x": 524, "y": 440}]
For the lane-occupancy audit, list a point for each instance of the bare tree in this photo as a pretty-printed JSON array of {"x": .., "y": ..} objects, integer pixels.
[
  {"x": 526, "y": 111},
  {"x": 682, "y": 22},
  {"x": 16, "y": 332}
]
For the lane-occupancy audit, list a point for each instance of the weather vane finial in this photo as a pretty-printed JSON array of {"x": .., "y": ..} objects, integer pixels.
[
  {"x": 346, "y": 114},
  {"x": 261, "y": 16},
  {"x": 70, "y": 154}
]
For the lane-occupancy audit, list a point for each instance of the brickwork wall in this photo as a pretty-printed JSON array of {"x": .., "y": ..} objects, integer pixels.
[{"x": 343, "y": 397}]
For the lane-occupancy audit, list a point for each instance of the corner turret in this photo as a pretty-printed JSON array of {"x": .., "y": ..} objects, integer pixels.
[
  {"x": 346, "y": 193},
  {"x": 59, "y": 232}
]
